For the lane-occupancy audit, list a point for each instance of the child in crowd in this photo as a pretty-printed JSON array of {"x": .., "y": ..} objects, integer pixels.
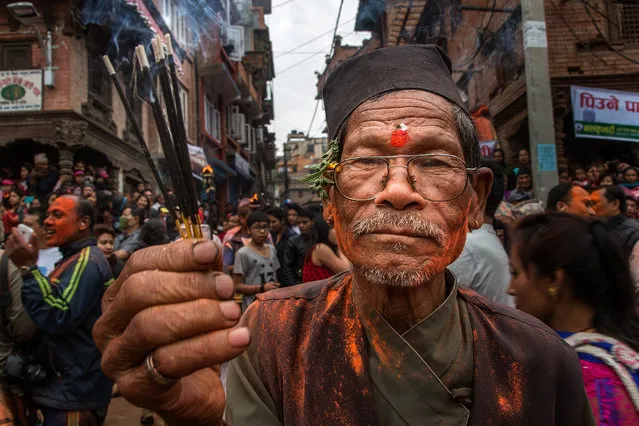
[
  {"x": 256, "y": 263},
  {"x": 580, "y": 179},
  {"x": 106, "y": 237}
]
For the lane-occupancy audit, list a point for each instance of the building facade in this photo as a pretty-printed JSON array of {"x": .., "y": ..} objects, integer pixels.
[
  {"x": 235, "y": 73},
  {"x": 592, "y": 44},
  {"x": 300, "y": 153},
  {"x": 78, "y": 115}
]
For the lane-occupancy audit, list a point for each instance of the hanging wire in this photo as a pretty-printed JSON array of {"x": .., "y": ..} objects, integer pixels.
[{"x": 587, "y": 7}]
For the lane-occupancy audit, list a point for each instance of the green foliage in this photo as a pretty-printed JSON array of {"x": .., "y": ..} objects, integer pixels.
[{"x": 318, "y": 179}]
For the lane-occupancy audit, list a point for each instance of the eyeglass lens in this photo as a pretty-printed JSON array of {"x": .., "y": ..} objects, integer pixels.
[{"x": 436, "y": 178}]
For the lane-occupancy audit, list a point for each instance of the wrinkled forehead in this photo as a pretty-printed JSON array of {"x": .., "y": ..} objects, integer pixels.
[
  {"x": 428, "y": 119},
  {"x": 64, "y": 204}
]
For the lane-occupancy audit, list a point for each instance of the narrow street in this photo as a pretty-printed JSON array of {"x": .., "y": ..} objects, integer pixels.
[{"x": 319, "y": 212}]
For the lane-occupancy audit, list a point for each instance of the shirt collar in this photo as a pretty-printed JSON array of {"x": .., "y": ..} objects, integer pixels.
[{"x": 74, "y": 247}]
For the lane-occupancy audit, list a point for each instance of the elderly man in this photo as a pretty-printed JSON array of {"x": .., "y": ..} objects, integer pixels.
[{"x": 395, "y": 341}]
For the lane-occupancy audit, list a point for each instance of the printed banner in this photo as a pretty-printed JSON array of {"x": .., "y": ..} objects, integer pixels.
[
  {"x": 605, "y": 114},
  {"x": 20, "y": 90}
]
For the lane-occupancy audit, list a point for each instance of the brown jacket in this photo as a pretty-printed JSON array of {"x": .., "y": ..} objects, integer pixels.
[{"x": 316, "y": 370}]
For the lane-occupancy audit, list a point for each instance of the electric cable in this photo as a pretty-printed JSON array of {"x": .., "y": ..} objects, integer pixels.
[
  {"x": 311, "y": 40},
  {"x": 483, "y": 40},
  {"x": 578, "y": 40},
  {"x": 308, "y": 133},
  {"x": 279, "y": 73},
  {"x": 610, "y": 46},
  {"x": 330, "y": 54}
]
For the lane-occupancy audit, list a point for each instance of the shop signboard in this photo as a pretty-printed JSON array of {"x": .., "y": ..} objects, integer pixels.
[
  {"x": 605, "y": 114},
  {"x": 20, "y": 90}
]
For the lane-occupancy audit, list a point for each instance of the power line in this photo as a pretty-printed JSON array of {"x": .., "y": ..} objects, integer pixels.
[
  {"x": 321, "y": 127},
  {"x": 605, "y": 39},
  {"x": 308, "y": 133},
  {"x": 279, "y": 73},
  {"x": 484, "y": 38},
  {"x": 312, "y": 40},
  {"x": 308, "y": 59},
  {"x": 339, "y": 14},
  {"x": 576, "y": 37},
  {"x": 330, "y": 53},
  {"x": 602, "y": 14}
]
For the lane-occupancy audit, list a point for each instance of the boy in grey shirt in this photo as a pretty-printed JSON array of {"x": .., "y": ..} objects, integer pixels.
[{"x": 256, "y": 263}]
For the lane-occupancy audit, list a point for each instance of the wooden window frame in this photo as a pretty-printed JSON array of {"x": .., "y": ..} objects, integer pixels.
[{"x": 15, "y": 45}]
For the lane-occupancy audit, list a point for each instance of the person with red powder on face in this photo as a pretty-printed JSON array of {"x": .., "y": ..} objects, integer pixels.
[
  {"x": 567, "y": 198},
  {"x": 394, "y": 341},
  {"x": 65, "y": 306}
]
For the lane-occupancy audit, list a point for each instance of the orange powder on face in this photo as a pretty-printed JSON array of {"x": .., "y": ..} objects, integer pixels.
[{"x": 62, "y": 217}]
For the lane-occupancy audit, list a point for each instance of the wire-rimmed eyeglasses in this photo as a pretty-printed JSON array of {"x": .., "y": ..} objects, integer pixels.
[{"x": 436, "y": 177}]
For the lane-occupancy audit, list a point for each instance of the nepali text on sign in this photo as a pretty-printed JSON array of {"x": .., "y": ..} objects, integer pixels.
[
  {"x": 605, "y": 114},
  {"x": 20, "y": 90}
]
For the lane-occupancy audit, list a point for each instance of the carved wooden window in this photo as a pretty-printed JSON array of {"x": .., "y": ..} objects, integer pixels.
[
  {"x": 15, "y": 56},
  {"x": 623, "y": 22},
  {"x": 629, "y": 22}
]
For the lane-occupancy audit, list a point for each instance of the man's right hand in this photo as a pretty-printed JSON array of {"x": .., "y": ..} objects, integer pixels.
[{"x": 167, "y": 303}]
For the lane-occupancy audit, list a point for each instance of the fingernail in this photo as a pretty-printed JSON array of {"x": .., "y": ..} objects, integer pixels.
[
  {"x": 224, "y": 287},
  {"x": 230, "y": 310},
  {"x": 204, "y": 252},
  {"x": 239, "y": 337}
]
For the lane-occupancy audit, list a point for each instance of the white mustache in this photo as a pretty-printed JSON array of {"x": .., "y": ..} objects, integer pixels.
[{"x": 384, "y": 220}]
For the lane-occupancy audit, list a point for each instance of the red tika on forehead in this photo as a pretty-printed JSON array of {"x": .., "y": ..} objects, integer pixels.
[{"x": 400, "y": 136}]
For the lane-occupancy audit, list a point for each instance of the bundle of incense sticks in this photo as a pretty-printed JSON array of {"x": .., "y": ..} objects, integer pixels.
[{"x": 172, "y": 134}]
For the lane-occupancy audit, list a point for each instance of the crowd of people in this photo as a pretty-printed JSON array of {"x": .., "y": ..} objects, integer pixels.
[
  {"x": 82, "y": 235},
  {"x": 407, "y": 225}
]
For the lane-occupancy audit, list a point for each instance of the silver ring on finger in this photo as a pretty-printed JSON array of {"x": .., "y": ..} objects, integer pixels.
[{"x": 154, "y": 373}]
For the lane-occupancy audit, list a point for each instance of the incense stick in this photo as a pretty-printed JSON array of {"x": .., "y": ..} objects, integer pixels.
[
  {"x": 181, "y": 140},
  {"x": 163, "y": 131},
  {"x": 138, "y": 133},
  {"x": 173, "y": 107}
]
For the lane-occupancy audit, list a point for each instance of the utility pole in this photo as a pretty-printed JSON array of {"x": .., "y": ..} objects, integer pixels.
[{"x": 541, "y": 122}]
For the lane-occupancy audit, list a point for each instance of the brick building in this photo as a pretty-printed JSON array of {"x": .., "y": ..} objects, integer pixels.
[
  {"x": 300, "y": 153},
  {"x": 80, "y": 116},
  {"x": 486, "y": 48}
]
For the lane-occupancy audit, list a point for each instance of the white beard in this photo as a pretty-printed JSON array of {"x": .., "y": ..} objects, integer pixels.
[{"x": 394, "y": 277}]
